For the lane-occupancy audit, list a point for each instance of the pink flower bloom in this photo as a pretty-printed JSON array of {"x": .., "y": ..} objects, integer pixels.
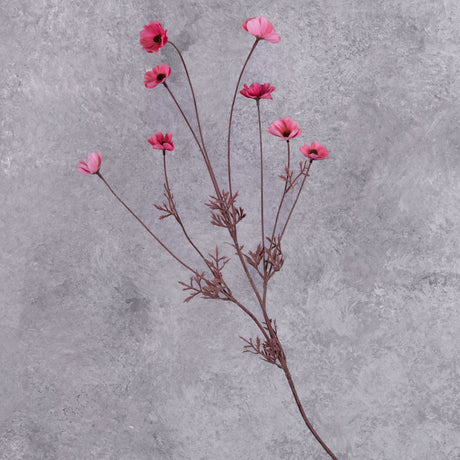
[
  {"x": 162, "y": 141},
  {"x": 261, "y": 28},
  {"x": 158, "y": 75},
  {"x": 93, "y": 164},
  {"x": 315, "y": 152},
  {"x": 153, "y": 37},
  {"x": 258, "y": 91},
  {"x": 285, "y": 128}
]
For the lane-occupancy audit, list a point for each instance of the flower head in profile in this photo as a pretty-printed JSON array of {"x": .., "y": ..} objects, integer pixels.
[
  {"x": 285, "y": 128},
  {"x": 258, "y": 91},
  {"x": 162, "y": 141},
  {"x": 261, "y": 28},
  {"x": 91, "y": 166},
  {"x": 158, "y": 75},
  {"x": 153, "y": 37},
  {"x": 315, "y": 152}
]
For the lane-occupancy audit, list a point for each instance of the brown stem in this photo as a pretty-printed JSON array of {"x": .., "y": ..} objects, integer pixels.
[
  {"x": 261, "y": 188},
  {"x": 234, "y": 233},
  {"x": 216, "y": 188},
  {"x": 264, "y": 332},
  {"x": 301, "y": 410},
  {"x": 193, "y": 95},
  {"x": 231, "y": 114},
  {"x": 178, "y": 219},
  {"x": 284, "y": 191},
  {"x": 230, "y": 296},
  {"x": 203, "y": 152},
  {"x": 145, "y": 226},
  {"x": 296, "y": 199}
]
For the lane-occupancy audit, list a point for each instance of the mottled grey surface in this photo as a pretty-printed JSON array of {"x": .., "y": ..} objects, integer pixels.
[{"x": 99, "y": 357}]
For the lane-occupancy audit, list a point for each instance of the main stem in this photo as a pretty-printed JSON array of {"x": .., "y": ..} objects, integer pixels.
[
  {"x": 262, "y": 300},
  {"x": 301, "y": 410}
]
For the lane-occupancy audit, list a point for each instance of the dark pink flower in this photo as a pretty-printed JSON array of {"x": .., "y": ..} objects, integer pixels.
[
  {"x": 315, "y": 152},
  {"x": 261, "y": 28},
  {"x": 285, "y": 128},
  {"x": 93, "y": 164},
  {"x": 162, "y": 141},
  {"x": 258, "y": 91},
  {"x": 158, "y": 75},
  {"x": 153, "y": 37}
]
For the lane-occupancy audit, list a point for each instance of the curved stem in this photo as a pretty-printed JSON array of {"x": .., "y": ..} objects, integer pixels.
[
  {"x": 296, "y": 199},
  {"x": 301, "y": 410},
  {"x": 145, "y": 226},
  {"x": 231, "y": 114}
]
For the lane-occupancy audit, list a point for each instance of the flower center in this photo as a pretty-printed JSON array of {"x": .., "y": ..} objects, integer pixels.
[
  {"x": 286, "y": 133},
  {"x": 157, "y": 38},
  {"x": 314, "y": 151},
  {"x": 161, "y": 76}
]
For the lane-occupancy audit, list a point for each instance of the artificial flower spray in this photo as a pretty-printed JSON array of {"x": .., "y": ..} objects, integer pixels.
[{"x": 261, "y": 264}]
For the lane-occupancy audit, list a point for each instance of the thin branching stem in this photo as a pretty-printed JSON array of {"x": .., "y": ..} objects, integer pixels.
[
  {"x": 231, "y": 115},
  {"x": 178, "y": 218},
  {"x": 296, "y": 199},
  {"x": 143, "y": 224},
  {"x": 261, "y": 189},
  {"x": 193, "y": 96},
  {"x": 283, "y": 196},
  {"x": 203, "y": 152}
]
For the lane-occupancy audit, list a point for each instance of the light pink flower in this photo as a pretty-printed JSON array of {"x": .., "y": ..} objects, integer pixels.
[
  {"x": 158, "y": 75},
  {"x": 315, "y": 152},
  {"x": 153, "y": 37},
  {"x": 162, "y": 141},
  {"x": 93, "y": 164},
  {"x": 258, "y": 91},
  {"x": 285, "y": 128},
  {"x": 261, "y": 28}
]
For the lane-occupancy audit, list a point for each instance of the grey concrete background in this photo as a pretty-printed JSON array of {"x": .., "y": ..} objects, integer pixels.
[{"x": 99, "y": 357}]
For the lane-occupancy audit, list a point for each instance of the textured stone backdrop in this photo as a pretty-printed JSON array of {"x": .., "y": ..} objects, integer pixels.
[{"x": 99, "y": 357}]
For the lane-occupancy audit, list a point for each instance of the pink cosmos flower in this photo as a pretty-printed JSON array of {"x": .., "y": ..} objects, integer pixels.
[
  {"x": 261, "y": 28},
  {"x": 158, "y": 75},
  {"x": 258, "y": 91},
  {"x": 162, "y": 141},
  {"x": 285, "y": 128},
  {"x": 93, "y": 164},
  {"x": 315, "y": 152},
  {"x": 153, "y": 37}
]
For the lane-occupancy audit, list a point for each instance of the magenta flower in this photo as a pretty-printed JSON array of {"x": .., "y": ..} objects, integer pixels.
[
  {"x": 153, "y": 37},
  {"x": 93, "y": 164},
  {"x": 158, "y": 75},
  {"x": 285, "y": 128},
  {"x": 162, "y": 141},
  {"x": 261, "y": 28},
  {"x": 258, "y": 91},
  {"x": 315, "y": 152}
]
